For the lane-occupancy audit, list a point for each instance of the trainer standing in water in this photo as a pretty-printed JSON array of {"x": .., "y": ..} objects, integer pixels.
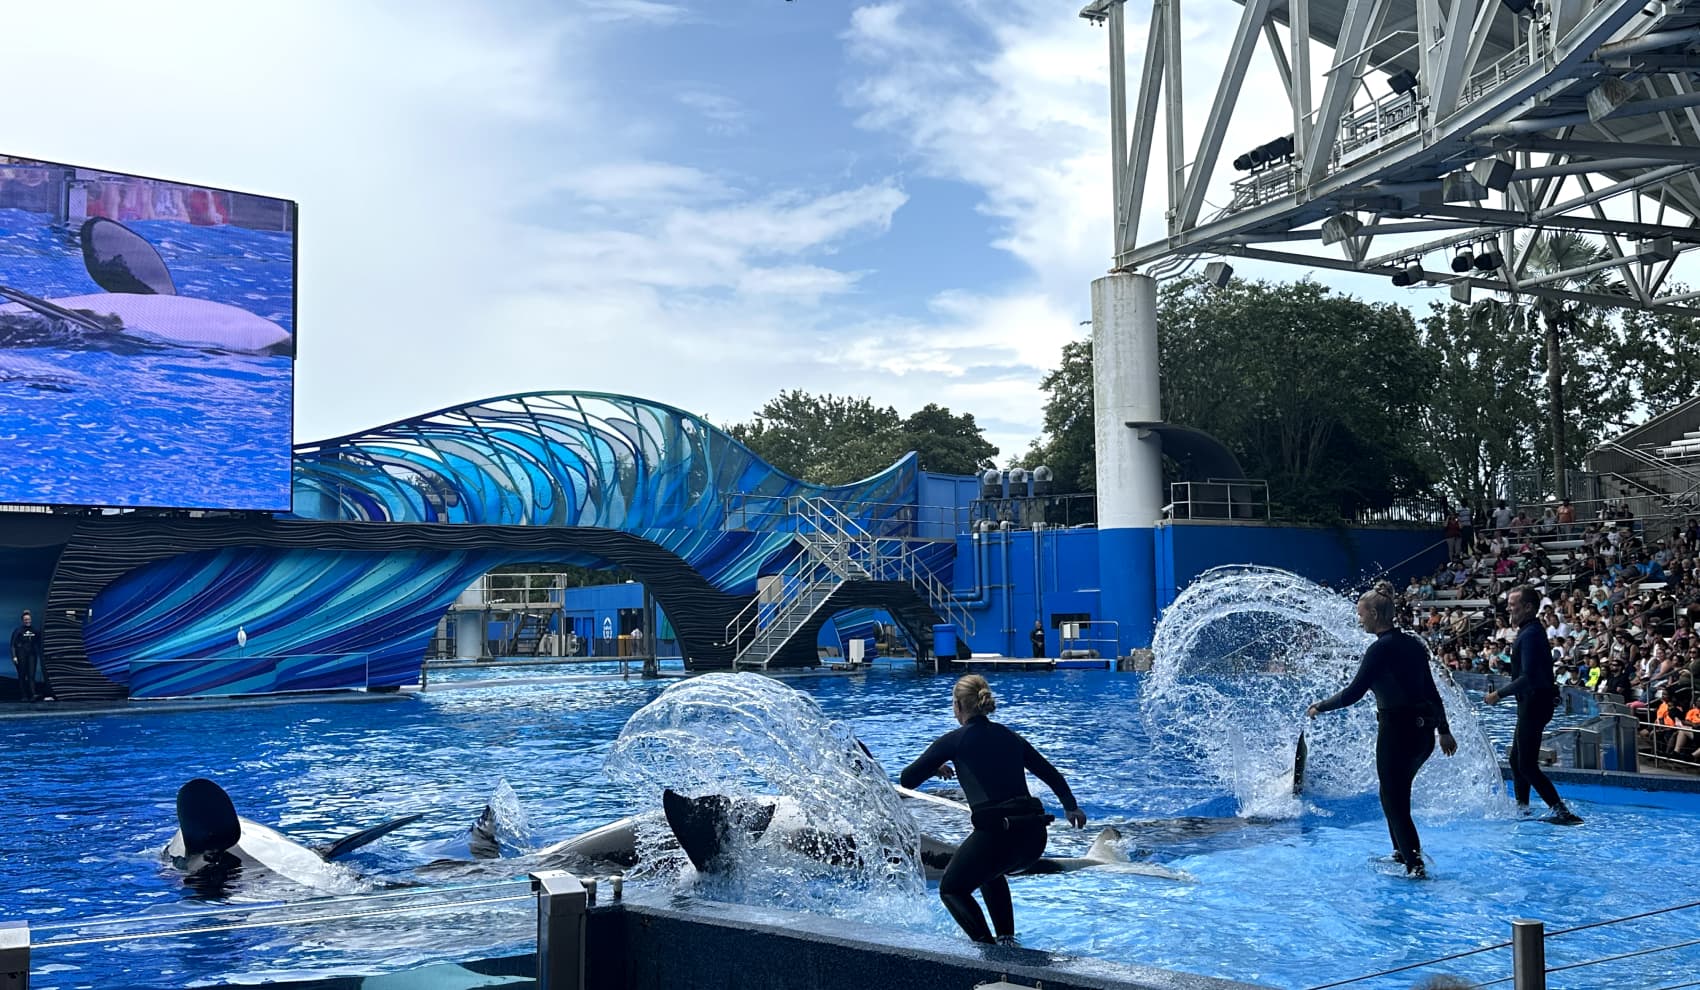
[
  {"x": 1537, "y": 698},
  {"x": 990, "y": 760},
  {"x": 1408, "y": 713}
]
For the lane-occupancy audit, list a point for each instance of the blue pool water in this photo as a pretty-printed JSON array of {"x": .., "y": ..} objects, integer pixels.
[
  {"x": 1289, "y": 904},
  {"x": 149, "y": 425}
]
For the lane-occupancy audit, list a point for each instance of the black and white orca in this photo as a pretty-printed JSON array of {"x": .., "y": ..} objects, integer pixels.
[{"x": 214, "y": 847}]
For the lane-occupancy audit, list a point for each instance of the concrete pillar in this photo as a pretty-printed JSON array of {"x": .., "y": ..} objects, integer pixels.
[{"x": 1130, "y": 464}]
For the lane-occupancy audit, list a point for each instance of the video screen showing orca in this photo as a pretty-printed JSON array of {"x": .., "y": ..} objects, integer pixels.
[{"x": 147, "y": 342}]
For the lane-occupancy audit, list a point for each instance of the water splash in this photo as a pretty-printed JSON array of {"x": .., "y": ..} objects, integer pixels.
[
  {"x": 503, "y": 828},
  {"x": 749, "y": 736},
  {"x": 1240, "y": 655}
]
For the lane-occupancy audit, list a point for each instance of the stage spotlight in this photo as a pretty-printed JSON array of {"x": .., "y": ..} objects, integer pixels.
[
  {"x": 1494, "y": 173},
  {"x": 1461, "y": 187},
  {"x": 1411, "y": 275},
  {"x": 1340, "y": 227},
  {"x": 1605, "y": 98},
  {"x": 1518, "y": 7},
  {"x": 1462, "y": 260},
  {"x": 1487, "y": 259},
  {"x": 1264, "y": 154},
  {"x": 1658, "y": 249},
  {"x": 1403, "y": 81}
]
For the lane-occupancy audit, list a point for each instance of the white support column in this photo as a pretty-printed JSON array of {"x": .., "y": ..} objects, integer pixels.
[{"x": 1130, "y": 466}]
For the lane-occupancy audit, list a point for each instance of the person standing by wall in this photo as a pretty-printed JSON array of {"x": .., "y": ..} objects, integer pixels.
[
  {"x": 1037, "y": 637},
  {"x": 26, "y": 656}
]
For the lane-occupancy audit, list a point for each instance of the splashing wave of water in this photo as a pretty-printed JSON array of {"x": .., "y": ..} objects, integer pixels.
[
  {"x": 1240, "y": 655},
  {"x": 749, "y": 736}
]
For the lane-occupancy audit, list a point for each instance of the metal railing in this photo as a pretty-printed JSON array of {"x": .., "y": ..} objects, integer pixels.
[
  {"x": 834, "y": 548},
  {"x": 750, "y": 513},
  {"x": 801, "y": 583},
  {"x": 889, "y": 561},
  {"x": 1528, "y": 945},
  {"x": 1688, "y": 477},
  {"x": 561, "y": 899},
  {"x": 1218, "y": 500}
]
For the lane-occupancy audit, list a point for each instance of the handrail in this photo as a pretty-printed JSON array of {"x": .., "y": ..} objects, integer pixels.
[
  {"x": 904, "y": 565},
  {"x": 1652, "y": 461},
  {"x": 833, "y": 547}
]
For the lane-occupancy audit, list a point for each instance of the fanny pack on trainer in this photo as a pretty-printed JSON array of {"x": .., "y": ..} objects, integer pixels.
[
  {"x": 1416, "y": 718},
  {"x": 1014, "y": 813}
]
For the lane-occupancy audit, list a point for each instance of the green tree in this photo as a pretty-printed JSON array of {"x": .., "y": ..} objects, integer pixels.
[
  {"x": 1588, "y": 329},
  {"x": 834, "y": 440},
  {"x": 1068, "y": 446},
  {"x": 1478, "y": 416},
  {"x": 1313, "y": 391},
  {"x": 947, "y": 443},
  {"x": 1661, "y": 355}
]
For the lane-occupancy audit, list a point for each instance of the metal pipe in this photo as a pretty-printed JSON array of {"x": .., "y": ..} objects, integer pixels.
[
  {"x": 1528, "y": 955},
  {"x": 1649, "y": 42},
  {"x": 1585, "y": 167},
  {"x": 1008, "y": 595},
  {"x": 1118, "y": 122},
  {"x": 1535, "y": 125}
]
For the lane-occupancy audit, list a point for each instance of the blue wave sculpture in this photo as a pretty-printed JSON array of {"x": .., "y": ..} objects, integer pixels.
[{"x": 318, "y": 617}]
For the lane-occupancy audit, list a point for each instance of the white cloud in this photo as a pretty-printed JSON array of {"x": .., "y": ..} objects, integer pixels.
[{"x": 724, "y": 114}]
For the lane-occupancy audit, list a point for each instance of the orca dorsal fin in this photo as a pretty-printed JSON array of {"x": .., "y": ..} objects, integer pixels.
[
  {"x": 1104, "y": 847},
  {"x": 349, "y": 843},
  {"x": 206, "y": 818},
  {"x": 121, "y": 260}
]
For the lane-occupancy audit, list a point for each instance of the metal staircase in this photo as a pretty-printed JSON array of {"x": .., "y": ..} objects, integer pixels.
[{"x": 833, "y": 550}]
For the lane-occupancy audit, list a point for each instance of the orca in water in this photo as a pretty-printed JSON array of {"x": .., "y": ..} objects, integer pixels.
[
  {"x": 214, "y": 846},
  {"x": 139, "y": 309},
  {"x": 707, "y": 829}
]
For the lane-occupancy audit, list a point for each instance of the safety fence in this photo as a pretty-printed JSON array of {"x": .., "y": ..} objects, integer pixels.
[
  {"x": 561, "y": 900},
  {"x": 1662, "y": 965}
]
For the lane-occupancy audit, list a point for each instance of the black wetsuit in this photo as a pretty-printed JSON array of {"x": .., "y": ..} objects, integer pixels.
[
  {"x": 1038, "y": 640},
  {"x": 1408, "y": 712},
  {"x": 26, "y": 655},
  {"x": 1536, "y": 692},
  {"x": 1009, "y": 823}
]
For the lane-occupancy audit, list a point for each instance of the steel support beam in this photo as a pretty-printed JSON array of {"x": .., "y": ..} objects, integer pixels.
[{"x": 1222, "y": 108}]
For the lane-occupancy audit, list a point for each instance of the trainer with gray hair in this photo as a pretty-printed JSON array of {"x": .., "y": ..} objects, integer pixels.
[
  {"x": 1408, "y": 713},
  {"x": 1536, "y": 692}
]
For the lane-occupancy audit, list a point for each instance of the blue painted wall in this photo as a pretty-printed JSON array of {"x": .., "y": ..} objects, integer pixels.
[
  {"x": 942, "y": 506},
  {"x": 1340, "y": 557},
  {"x": 1010, "y": 578}
]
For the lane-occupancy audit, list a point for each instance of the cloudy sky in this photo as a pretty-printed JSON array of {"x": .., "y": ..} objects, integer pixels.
[{"x": 697, "y": 201}]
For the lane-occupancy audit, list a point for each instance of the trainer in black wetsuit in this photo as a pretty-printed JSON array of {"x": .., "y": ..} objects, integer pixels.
[
  {"x": 26, "y": 656},
  {"x": 990, "y": 761},
  {"x": 1537, "y": 698},
  {"x": 1408, "y": 713}
]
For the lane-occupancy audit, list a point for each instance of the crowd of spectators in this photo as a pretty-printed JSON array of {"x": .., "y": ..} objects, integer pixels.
[{"x": 1620, "y": 603}]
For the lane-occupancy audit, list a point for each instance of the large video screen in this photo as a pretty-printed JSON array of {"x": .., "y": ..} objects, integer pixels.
[{"x": 147, "y": 342}]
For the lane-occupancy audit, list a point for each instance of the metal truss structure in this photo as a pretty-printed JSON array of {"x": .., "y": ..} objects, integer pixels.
[{"x": 1439, "y": 129}]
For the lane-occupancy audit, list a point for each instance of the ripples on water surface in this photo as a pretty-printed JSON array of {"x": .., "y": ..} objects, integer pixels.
[{"x": 1288, "y": 904}]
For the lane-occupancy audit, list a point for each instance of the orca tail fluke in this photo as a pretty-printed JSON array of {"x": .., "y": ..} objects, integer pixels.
[
  {"x": 1301, "y": 753},
  {"x": 206, "y": 817},
  {"x": 349, "y": 843}
]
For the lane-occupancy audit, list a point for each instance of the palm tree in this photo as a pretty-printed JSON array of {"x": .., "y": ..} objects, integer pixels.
[{"x": 1550, "y": 254}]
